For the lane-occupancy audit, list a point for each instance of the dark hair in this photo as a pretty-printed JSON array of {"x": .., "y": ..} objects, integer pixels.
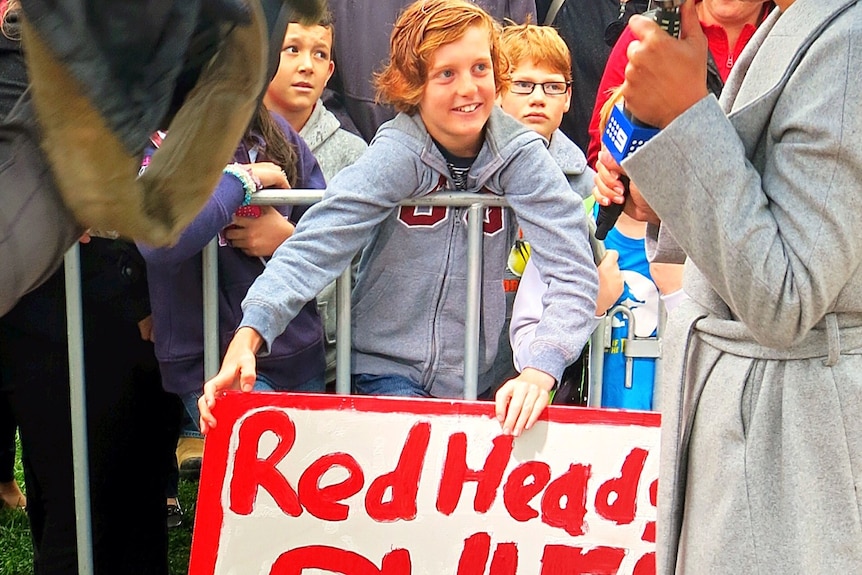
[
  {"x": 278, "y": 149},
  {"x": 325, "y": 21}
]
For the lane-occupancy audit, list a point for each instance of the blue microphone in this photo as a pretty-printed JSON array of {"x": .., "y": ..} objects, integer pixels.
[{"x": 624, "y": 133}]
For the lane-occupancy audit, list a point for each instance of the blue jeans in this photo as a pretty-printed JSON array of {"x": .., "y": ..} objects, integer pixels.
[
  {"x": 263, "y": 383},
  {"x": 367, "y": 384},
  {"x": 398, "y": 385}
]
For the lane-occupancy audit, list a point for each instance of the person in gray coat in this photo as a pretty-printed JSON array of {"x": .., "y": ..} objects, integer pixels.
[{"x": 761, "y": 437}]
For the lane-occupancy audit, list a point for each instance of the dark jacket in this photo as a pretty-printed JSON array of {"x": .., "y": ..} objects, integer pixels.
[
  {"x": 176, "y": 290},
  {"x": 13, "y": 74},
  {"x": 113, "y": 287}
]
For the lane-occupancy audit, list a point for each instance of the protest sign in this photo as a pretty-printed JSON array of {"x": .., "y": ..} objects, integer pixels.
[{"x": 302, "y": 484}]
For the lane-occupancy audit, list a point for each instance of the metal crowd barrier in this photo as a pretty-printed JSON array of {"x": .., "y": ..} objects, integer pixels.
[
  {"x": 474, "y": 202},
  {"x": 634, "y": 347},
  {"x": 78, "y": 404},
  {"x": 476, "y": 205}
]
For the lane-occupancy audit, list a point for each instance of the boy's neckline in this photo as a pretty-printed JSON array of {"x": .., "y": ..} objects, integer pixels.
[{"x": 455, "y": 160}]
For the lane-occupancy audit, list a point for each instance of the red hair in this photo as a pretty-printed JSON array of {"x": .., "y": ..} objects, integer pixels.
[
  {"x": 421, "y": 29},
  {"x": 541, "y": 44}
]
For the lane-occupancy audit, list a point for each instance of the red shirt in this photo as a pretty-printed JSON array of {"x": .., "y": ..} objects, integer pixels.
[{"x": 615, "y": 71}]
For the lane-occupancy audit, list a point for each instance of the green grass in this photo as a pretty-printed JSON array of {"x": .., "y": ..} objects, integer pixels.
[
  {"x": 180, "y": 539},
  {"x": 16, "y": 552}
]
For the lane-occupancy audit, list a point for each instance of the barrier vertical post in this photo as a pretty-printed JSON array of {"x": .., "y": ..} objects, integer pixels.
[
  {"x": 342, "y": 332},
  {"x": 597, "y": 364},
  {"x": 78, "y": 405},
  {"x": 475, "y": 220},
  {"x": 210, "y": 319}
]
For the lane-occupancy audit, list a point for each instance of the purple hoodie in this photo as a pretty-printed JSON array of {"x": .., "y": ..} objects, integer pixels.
[{"x": 176, "y": 290}]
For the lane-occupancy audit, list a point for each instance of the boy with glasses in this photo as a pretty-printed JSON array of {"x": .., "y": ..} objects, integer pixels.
[
  {"x": 541, "y": 90},
  {"x": 539, "y": 96}
]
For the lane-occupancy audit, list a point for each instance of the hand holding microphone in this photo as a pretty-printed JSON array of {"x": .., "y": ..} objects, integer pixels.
[
  {"x": 609, "y": 189},
  {"x": 664, "y": 77}
]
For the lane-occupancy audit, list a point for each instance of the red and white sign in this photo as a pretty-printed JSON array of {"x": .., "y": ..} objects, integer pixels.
[{"x": 298, "y": 484}]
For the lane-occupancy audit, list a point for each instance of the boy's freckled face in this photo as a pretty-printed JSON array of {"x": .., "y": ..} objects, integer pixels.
[
  {"x": 541, "y": 112},
  {"x": 304, "y": 69},
  {"x": 459, "y": 92}
]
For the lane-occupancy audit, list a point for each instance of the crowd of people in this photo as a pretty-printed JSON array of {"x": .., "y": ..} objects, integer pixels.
[{"x": 759, "y": 462}]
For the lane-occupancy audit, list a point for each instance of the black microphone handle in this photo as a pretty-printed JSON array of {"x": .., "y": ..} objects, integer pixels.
[
  {"x": 606, "y": 219},
  {"x": 608, "y": 215}
]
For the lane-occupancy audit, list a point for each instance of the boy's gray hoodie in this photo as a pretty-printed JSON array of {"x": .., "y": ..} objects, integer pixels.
[
  {"x": 410, "y": 297},
  {"x": 333, "y": 146},
  {"x": 571, "y": 161}
]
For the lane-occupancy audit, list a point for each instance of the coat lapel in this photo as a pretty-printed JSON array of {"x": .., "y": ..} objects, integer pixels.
[{"x": 769, "y": 60}]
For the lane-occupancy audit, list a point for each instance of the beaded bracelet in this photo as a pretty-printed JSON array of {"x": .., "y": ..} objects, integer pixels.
[{"x": 249, "y": 185}]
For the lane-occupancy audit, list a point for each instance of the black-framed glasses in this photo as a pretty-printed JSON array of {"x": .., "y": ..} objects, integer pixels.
[{"x": 549, "y": 88}]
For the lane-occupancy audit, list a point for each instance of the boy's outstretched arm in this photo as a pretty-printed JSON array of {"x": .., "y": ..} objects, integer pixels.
[
  {"x": 237, "y": 372},
  {"x": 521, "y": 400}
]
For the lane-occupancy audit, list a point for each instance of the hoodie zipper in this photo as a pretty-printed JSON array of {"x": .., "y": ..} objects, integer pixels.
[{"x": 431, "y": 372}]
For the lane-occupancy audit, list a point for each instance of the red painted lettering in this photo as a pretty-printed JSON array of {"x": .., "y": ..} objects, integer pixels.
[
  {"x": 645, "y": 565},
  {"x": 649, "y": 529},
  {"x": 565, "y": 560},
  {"x": 322, "y": 502},
  {"x": 456, "y": 473},
  {"x": 251, "y": 472},
  {"x": 571, "y": 486},
  {"x": 474, "y": 557},
  {"x": 621, "y": 507},
  {"x": 517, "y": 492},
  {"x": 505, "y": 560},
  {"x": 334, "y": 560},
  {"x": 403, "y": 480}
]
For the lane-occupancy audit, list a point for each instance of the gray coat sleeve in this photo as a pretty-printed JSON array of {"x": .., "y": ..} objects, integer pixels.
[
  {"x": 772, "y": 225},
  {"x": 661, "y": 247}
]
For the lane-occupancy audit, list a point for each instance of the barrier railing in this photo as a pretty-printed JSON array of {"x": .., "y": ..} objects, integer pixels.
[
  {"x": 636, "y": 347},
  {"x": 474, "y": 202}
]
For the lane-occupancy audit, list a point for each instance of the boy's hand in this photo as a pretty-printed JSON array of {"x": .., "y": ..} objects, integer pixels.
[
  {"x": 237, "y": 372},
  {"x": 260, "y": 236},
  {"x": 520, "y": 401},
  {"x": 609, "y": 188}
]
